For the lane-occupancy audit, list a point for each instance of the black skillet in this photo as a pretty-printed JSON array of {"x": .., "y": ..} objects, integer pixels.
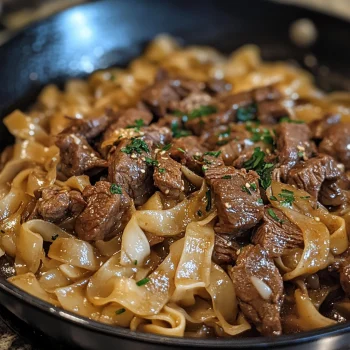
[{"x": 106, "y": 33}]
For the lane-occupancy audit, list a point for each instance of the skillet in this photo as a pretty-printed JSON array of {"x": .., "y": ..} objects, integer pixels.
[{"x": 106, "y": 33}]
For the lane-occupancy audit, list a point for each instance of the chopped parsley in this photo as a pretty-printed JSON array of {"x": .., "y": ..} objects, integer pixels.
[
  {"x": 246, "y": 189},
  {"x": 248, "y": 113},
  {"x": 162, "y": 170},
  {"x": 227, "y": 177},
  {"x": 166, "y": 147},
  {"x": 288, "y": 198},
  {"x": 53, "y": 237},
  {"x": 181, "y": 150},
  {"x": 253, "y": 186},
  {"x": 142, "y": 282},
  {"x": 199, "y": 213},
  {"x": 288, "y": 120},
  {"x": 178, "y": 113},
  {"x": 214, "y": 154},
  {"x": 178, "y": 132},
  {"x": 151, "y": 162},
  {"x": 120, "y": 311},
  {"x": 305, "y": 197},
  {"x": 208, "y": 197},
  {"x": 115, "y": 189},
  {"x": 223, "y": 137},
  {"x": 135, "y": 262},
  {"x": 136, "y": 146},
  {"x": 257, "y": 163},
  {"x": 274, "y": 216},
  {"x": 260, "y": 201},
  {"x": 273, "y": 198},
  {"x": 202, "y": 111},
  {"x": 138, "y": 124}
]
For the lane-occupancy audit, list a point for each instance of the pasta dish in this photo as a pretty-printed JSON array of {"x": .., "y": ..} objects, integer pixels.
[{"x": 191, "y": 194}]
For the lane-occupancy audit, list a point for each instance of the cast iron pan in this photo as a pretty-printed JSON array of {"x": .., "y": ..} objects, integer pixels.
[{"x": 106, "y": 33}]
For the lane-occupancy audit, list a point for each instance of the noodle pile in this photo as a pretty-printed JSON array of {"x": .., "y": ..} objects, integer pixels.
[{"x": 124, "y": 282}]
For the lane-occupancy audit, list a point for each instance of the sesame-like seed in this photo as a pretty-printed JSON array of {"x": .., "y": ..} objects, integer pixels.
[
  {"x": 341, "y": 166},
  {"x": 157, "y": 150},
  {"x": 40, "y": 199},
  {"x": 143, "y": 158},
  {"x": 143, "y": 171},
  {"x": 165, "y": 158},
  {"x": 163, "y": 152},
  {"x": 141, "y": 133},
  {"x": 301, "y": 148},
  {"x": 268, "y": 151},
  {"x": 183, "y": 182},
  {"x": 227, "y": 205},
  {"x": 182, "y": 188},
  {"x": 317, "y": 218},
  {"x": 92, "y": 155},
  {"x": 247, "y": 185},
  {"x": 167, "y": 192},
  {"x": 198, "y": 154},
  {"x": 133, "y": 156}
]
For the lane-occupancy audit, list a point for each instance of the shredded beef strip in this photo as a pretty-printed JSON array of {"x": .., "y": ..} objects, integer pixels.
[
  {"x": 237, "y": 198},
  {"x": 277, "y": 237},
  {"x": 253, "y": 263},
  {"x": 106, "y": 214}
]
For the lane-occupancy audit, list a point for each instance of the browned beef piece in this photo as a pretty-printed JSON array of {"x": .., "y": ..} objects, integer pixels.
[
  {"x": 318, "y": 127},
  {"x": 88, "y": 128},
  {"x": 345, "y": 277},
  {"x": 336, "y": 142},
  {"x": 168, "y": 176},
  {"x": 209, "y": 122},
  {"x": 316, "y": 173},
  {"x": 126, "y": 119},
  {"x": 270, "y": 112},
  {"x": 218, "y": 86},
  {"x": 163, "y": 93},
  {"x": 225, "y": 250},
  {"x": 232, "y": 150},
  {"x": 77, "y": 156},
  {"x": 293, "y": 144},
  {"x": 157, "y": 135},
  {"x": 106, "y": 213},
  {"x": 131, "y": 171},
  {"x": 253, "y": 264},
  {"x": 277, "y": 238},
  {"x": 54, "y": 204},
  {"x": 237, "y": 199},
  {"x": 193, "y": 101},
  {"x": 331, "y": 194},
  {"x": 186, "y": 150}
]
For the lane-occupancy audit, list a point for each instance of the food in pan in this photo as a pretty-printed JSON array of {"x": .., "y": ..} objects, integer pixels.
[{"x": 190, "y": 194}]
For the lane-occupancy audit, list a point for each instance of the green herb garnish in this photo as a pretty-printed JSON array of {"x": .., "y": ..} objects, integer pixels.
[
  {"x": 120, "y": 311},
  {"x": 151, "y": 162},
  {"x": 214, "y": 154},
  {"x": 274, "y": 216},
  {"x": 181, "y": 150},
  {"x": 305, "y": 197},
  {"x": 208, "y": 197},
  {"x": 166, "y": 147},
  {"x": 162, "y": 170},
  {"x": 260, "y": 201},
  {"x": 202, "y": 112},
  {"x": 178, "y": 132},
  {"x": 227, "y": 177},
  {"x": 288, "y": 120},
  {"x": 257, "y": 163},
  {"x": 178, "y": 113},
  {"x": 53, "y": 237},
  {"x": 136, "y": 146},
  {"x": 135, "y": 262},
  {"x": 253, "y": 186},
  {"x": 223, "y": 135},
  {"x": 143, "y": 282},
  {"x": 288, "y": 198},
  {"x": 138, "y": 124},
  {"x": 115, "y": 189},
  {"x": 246, "y": 189},
  {"x": 247, "y": 113},
  {"x": 273, "y": 198}
]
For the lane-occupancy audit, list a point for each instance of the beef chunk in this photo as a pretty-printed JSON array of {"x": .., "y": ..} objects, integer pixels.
[
  {"x": 193, "y": 101},
  {"x": 345, "y": 277},
  {"x": 225, "y": 250},
  {"x": 293, "y": 144},
  {"x": 319, "y": 127},
  {"x": 315, "y": 173},
  {"x": 275, "y": 237},
  {"x": 157, "y": 135},
  {"x": 131, "y": 171},
  {"x": 270, "y": 112},
  {"x": 168, "y": 176},
  {"x": 163, "y": 93},
  {"x": 254, "y": 267},
  {"x": 336, "y": 142},
  {"x": 54, "y": 204},
  {"x": 237, "y": 199},
  {"x": 127, "y": 119},
  {"x": 88, "y": 128},
  {"x": 186, "y": 150},
  {"x": 106, "y": 213},
  {"x": 77, "y": 156},
  {"x": 232, "y": 150},
  {"x": 218, "y": 86}
]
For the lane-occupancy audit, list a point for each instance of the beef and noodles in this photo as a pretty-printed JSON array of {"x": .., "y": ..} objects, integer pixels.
[{"x": 190, "y": 194}]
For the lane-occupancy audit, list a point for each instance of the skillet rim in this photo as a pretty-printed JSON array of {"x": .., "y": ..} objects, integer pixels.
[{"x": 119, "y": 332}]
